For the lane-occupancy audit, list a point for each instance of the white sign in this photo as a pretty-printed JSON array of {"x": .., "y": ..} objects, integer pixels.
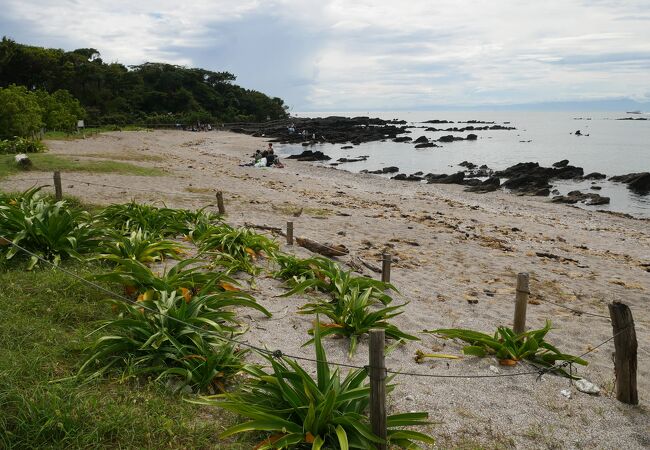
[{"x": 80, "y": 124}]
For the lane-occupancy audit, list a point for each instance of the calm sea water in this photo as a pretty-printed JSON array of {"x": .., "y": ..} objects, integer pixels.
[{"x": 613, "y": 147}]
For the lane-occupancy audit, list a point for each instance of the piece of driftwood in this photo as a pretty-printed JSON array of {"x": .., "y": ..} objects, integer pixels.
[
  {"x": 355, "y": 263},
  {"x": 371, "y": 266},
  {"x": 326, "y": 249},
  {"x": 277, "y": 230}
]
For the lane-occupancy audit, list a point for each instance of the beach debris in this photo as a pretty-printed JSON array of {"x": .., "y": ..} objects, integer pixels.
[
  {"x": 587, "y": 387},
  {"x": 420, "y": 356},
  {"x": 23, "y": 160},
  {"x": 409, "y": 398},
  {"x": 566, "y": 393},
  {"x": 326, "y": 249}
]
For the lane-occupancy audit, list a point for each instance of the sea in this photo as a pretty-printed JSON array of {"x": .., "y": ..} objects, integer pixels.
[{"x": 604, "y": 144}]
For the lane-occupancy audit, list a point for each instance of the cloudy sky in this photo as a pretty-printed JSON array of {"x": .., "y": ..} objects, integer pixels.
[{"x": 369, "y": 55}]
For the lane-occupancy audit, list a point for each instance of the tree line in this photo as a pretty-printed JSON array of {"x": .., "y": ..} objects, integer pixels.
[{"x": 111, "y": 93}]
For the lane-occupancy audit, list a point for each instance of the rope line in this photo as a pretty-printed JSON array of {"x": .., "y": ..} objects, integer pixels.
[{"x": 577, "y": 311}]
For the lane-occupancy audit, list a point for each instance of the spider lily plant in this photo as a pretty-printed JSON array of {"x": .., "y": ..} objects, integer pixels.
[
  {"x": 352, "y": 317},
  {"x": 510, "y": 348},
  {"x": 325, "y": 275},
  {"x": 139, "y": 245},
  {"x": 236, "y": 244},
  {"x": 188, "y": 276},
  {"x": 295, "y": 410},
  {"x": 165, "y": 335},
  {"x": 52, "y": 230}
]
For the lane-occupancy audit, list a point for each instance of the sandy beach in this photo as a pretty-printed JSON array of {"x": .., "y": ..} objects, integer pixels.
[{"x": 457, "y": 256}]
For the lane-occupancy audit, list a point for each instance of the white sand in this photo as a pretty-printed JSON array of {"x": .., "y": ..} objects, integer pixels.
[{"x": 468, "y": 246}]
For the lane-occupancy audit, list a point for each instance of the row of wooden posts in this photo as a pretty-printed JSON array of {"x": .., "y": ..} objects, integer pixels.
[{"x": 625, "y": 343}]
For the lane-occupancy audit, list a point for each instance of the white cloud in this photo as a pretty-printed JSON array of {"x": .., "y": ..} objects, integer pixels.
[{"x": 373, "y": 54}]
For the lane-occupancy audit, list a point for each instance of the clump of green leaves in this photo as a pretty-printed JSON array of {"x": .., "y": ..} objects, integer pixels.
[
  {"x": 20, "y": 145},
  {"x": 352, "y": 316},
  {"x": 296, "y": 410},
  {"x": 509, "y": 347},
  {"x": 189, "y": 276},
  {"x": 224, "y": 242},
  {"x": 162, "y": 222},
  {"x": 167, "y": 335},
  {"x": 53, "y": 230},
  {"x": 139, "y": 245},
  {"x": 326, "y": 275}
]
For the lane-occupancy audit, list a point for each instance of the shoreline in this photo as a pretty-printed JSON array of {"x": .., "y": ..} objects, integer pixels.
[{"x": 456, "y": 255}]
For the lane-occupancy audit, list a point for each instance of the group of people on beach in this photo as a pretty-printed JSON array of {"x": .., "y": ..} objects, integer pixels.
[{"x": 265, "y": 158}]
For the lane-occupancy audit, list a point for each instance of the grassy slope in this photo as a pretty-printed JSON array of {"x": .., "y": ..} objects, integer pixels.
[
  {"x": 43, "y": 330},
  {"x": 48, "y": 163}
]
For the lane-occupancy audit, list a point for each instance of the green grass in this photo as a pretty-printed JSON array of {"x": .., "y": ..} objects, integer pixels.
[
  {"x": 49, "y": 163},
  {"x": 43, "y": 329}
]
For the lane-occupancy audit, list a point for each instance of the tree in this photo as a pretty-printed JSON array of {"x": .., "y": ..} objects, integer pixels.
[
  {"x": 60, "y": 110},
  {"x": 20, "y": 112}
]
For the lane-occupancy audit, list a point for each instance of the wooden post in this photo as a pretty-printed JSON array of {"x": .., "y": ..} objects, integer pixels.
[
  {"x": 378, "y": 386},
  {"x": 289, "y": 233},
  {"x": 58, "y": 190},
  {"x": 386, "y": 260},
  {"x": 625, "y": 346},
  {"x": 521, "y": 301},
  {"x": 220, "y": 205}
]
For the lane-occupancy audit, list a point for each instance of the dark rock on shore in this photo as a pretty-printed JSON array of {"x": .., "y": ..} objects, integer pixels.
[
  {"x": 438, "y": 121},
  {"x": 489, "y": 185},
  {"x": 469, "y": 165},
  {"x": 573, "y": 197},
  {"x": 404, "y": 177},
  {"x": 389, "y": 169},
  {"x": 333, "y": 129},
  {"x": 347, "y": 147},
  {"x": 637, "y": 182},
  {"x": 563, "y": 163},
  {"x": 449, "y": 138},
  {"x": 420, "y": 140},
  {"x": 471, "y": 128},
  {"x": 594, "y": 176},
  {"x": 309, "y": 155},
  {"x": 530, "y": 178},
  {"x": 348, "y": 160},
  {"x": 456, "y": 178},
  {"x": 471, "y": 137},
  {"x": 402, "y": 139},
  {"x": 426, "y": 145}
]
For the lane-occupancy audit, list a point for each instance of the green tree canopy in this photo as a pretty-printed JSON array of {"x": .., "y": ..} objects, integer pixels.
[
  {"x": 114, "y": 93},
  {"x": 20, "y": 112}
]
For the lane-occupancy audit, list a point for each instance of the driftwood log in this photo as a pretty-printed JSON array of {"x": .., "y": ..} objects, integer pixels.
[
  {"x": 326, "y": 249},
  {"x": 277, "y": 230}
]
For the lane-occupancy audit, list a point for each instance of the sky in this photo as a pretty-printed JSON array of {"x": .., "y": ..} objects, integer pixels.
[{"x": 334, "y": 55}]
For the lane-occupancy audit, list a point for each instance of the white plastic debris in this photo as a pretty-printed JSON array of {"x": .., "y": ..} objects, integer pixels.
[
  {"x": 587, "y": 387},
  {"x": 409, "y": 398},
  {"x": 566, "y": 393},
  {"x": 495, "y": 369}
]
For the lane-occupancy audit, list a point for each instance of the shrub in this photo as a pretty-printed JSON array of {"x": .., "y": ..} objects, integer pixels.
[{"x": 21, "y": 145}]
